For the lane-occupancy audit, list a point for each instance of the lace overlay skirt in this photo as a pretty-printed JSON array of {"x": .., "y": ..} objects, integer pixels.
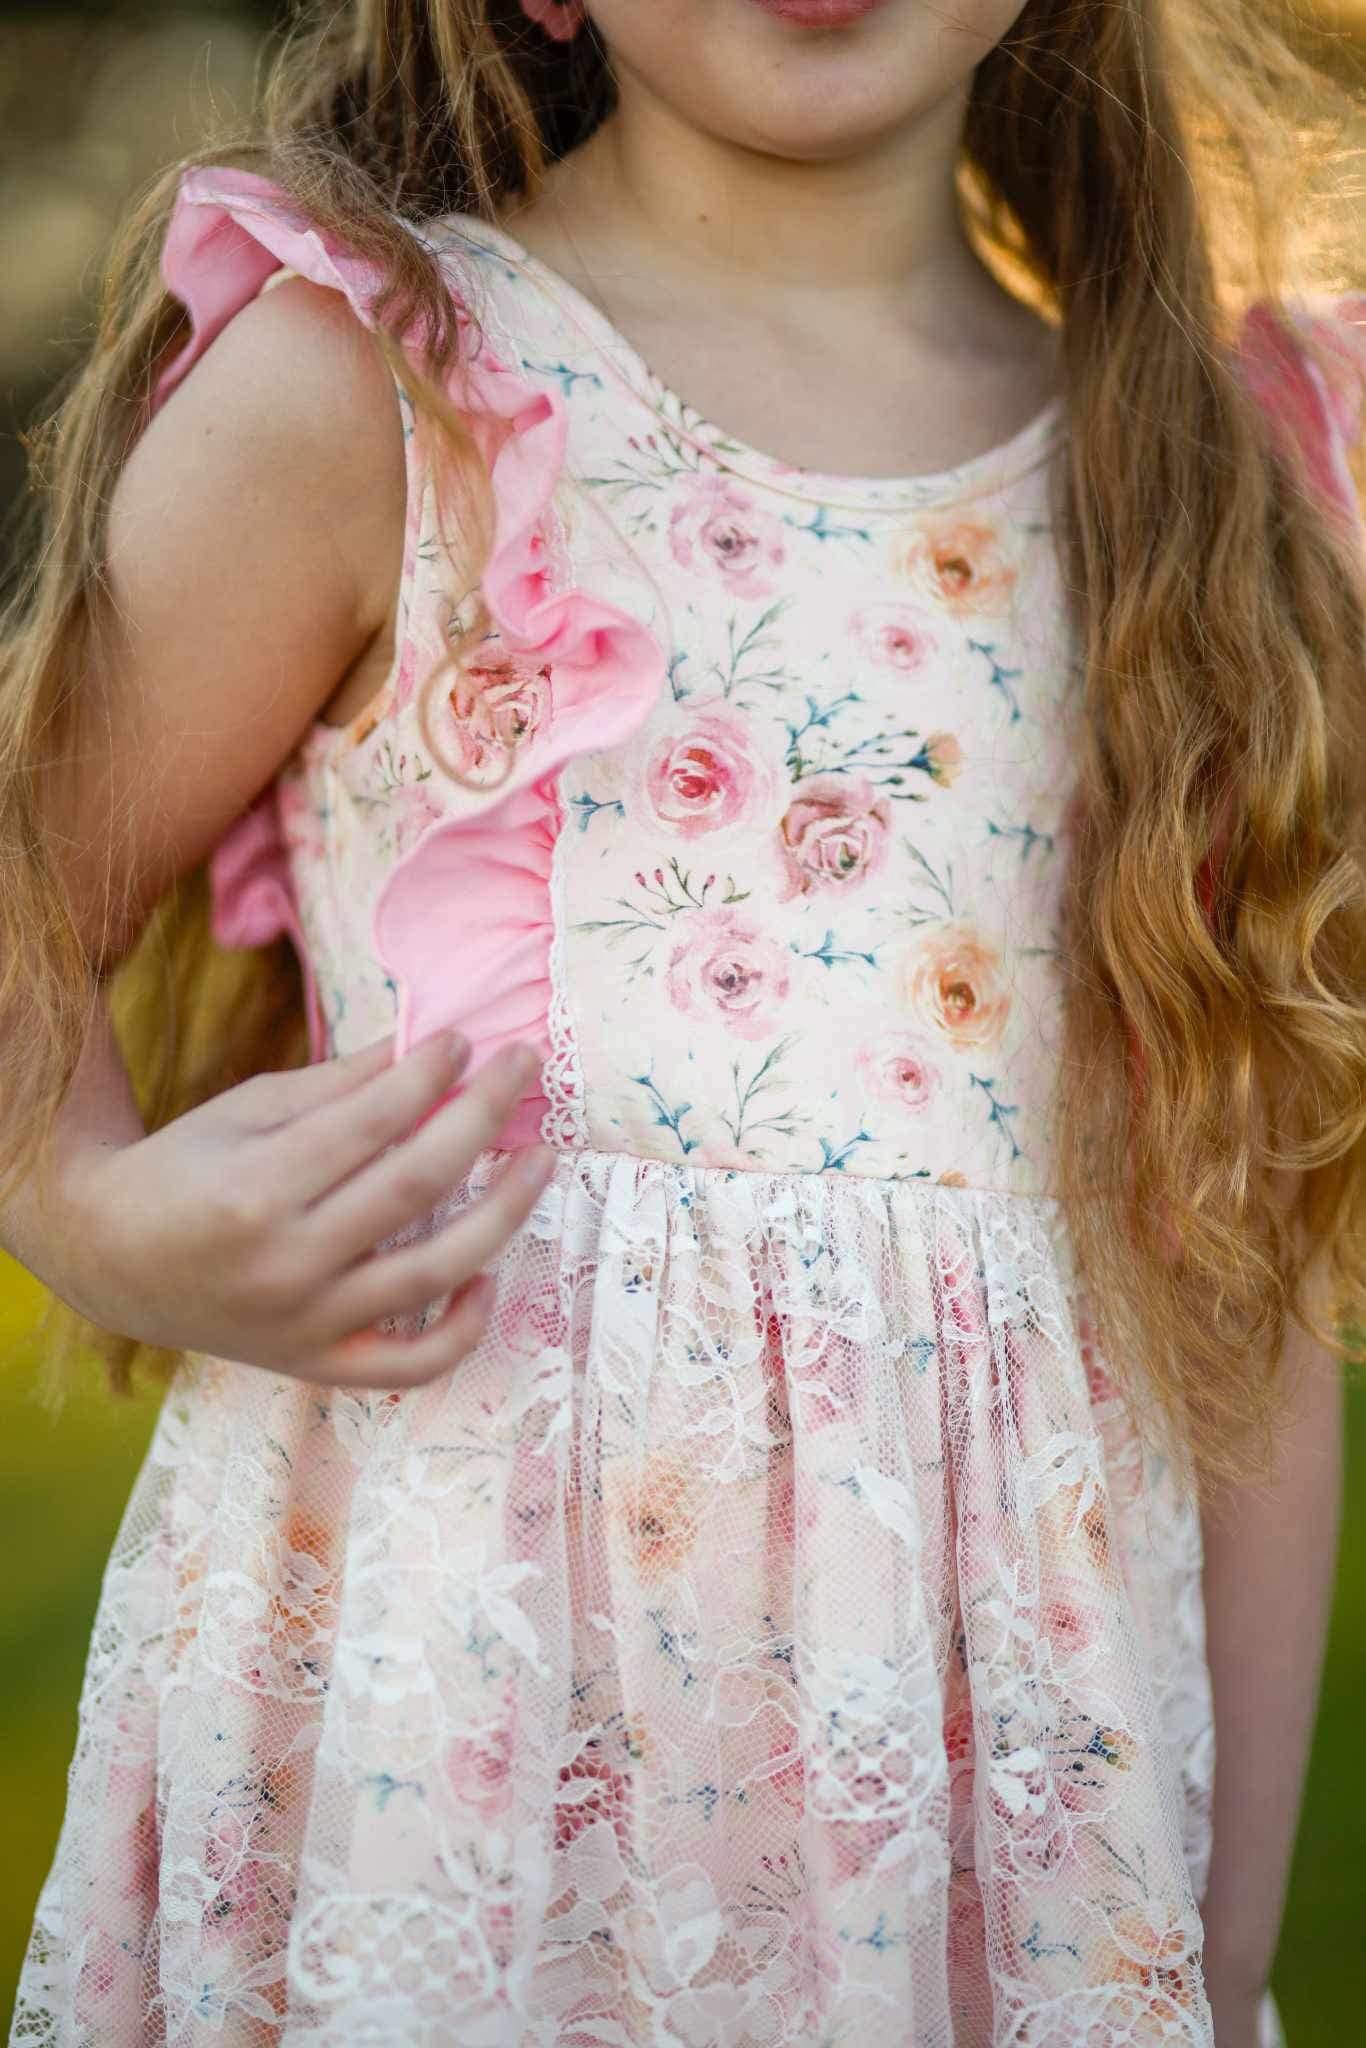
[{"x": 774, "y": 1634}]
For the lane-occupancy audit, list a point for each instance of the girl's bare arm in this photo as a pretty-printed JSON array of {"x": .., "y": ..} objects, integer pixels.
[
  {"x": 255, "y": 546},
  {"x": 1270, "y": 1551},
  {"x": 254, "y": 550}
]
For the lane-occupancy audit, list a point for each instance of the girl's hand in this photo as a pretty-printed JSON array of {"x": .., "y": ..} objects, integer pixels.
[{"x": 247, "y": 1228}]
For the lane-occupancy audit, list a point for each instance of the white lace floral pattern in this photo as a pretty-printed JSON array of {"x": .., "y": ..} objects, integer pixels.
[{"x": 718, "y": 1657}]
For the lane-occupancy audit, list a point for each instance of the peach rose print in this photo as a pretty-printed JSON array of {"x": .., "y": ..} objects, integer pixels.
[
  {"x": 718, "y": 523},
  {"x": 657, "y": 1511},
  {"x": 704, "y": 775},
  {"x": 727, "y": 968},
  {"x": 954, "y": 983},
  {"x": 834, "y": 833},
  {"x": 896, "y": 1071},
  {"x": 941, "y": 756},
  {"x": 497, "y": 706},
  {"x": 963, "y": 562},
  {"x": 1152, "y": 1957},
  {"x": 303, "y": 1604}
]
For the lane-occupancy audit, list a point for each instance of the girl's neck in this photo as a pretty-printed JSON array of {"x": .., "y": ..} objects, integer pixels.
[
  {"x": 871, "y": 242},
  {"x": 748, "y": 282}
]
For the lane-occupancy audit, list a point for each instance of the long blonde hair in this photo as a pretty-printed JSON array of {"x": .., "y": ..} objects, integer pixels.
[{"x": 1215, "y": 1050}]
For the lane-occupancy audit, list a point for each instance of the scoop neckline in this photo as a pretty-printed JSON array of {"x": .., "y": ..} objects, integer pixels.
[{"x": 978, "y": 476}]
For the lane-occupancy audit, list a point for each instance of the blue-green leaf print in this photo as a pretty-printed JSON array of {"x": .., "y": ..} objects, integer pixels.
[
  {"x": 665, "y": 1118},
  {"x": 1001, "y": 677},
  {"x": 831, "y": 955}
]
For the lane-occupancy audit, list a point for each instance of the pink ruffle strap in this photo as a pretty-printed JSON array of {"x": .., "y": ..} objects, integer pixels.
[
  {"x": 1313, "y": 401},
  {"x": 463, "y": 922}
]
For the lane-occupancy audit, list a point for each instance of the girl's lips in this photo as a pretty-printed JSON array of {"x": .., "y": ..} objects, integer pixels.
[{"x": 818, "y": 13}]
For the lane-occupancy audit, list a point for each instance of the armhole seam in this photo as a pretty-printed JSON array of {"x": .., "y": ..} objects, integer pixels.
[
  {"x": 324, "y": 742},
  {"x": 326, "y": 746}
]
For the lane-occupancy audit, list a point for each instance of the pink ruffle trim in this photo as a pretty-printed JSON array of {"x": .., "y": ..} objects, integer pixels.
[{"x": 463, "y": 922}]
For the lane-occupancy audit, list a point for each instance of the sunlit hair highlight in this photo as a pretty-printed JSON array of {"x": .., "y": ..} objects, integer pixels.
[{"x": 1212, "y": 1101}]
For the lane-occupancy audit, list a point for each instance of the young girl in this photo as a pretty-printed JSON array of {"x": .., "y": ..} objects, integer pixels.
[{"x": 722, "y": 574}]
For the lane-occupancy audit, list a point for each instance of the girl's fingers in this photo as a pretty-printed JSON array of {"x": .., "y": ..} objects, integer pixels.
[
  {"x": 389, "y": 1193},
  {"x": 405, "y": 1281},
  {"x": 293, "y": 1092},
  {"x": 345, "y": 1132},
  {"x": 372, "y": 1358}
]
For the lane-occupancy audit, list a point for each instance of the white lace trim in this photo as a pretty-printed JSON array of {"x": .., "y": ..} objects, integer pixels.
[{"x": 565, "y": 1123}]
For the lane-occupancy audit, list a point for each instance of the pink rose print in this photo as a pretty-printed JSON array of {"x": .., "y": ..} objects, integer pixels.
[
  {"x": 895, "y": 1070},
  {"x": 103, "y": 1962},
  {"x": 1099, "y": 1382},
  {"x": 894, "y": 636},
  {"x": 142, "y": 1857},
  {"x": 954, "y": 984},
  {"x": 703, "y": 776},
  {"x": 497, "y": 705},
  {"x": 299, "y": 820},
  {"x": 418, "y": 808},
  {"x": 240, "y": 1896},
  {"x": 727, "y": 968},
  {"x": 591, "y": 1791},
  {"x": 717, "y": 520},
  {"x": 1068, "y": 1616},
  {"x": 479, "y": 1768},
  {"x": 863, "y": 1801},
  {"x": 786, "y": 1772},
  {"x": 960, "y": 1738},
  {"x": 962, "y": 561},
  {"x": 405, "y": 682},
  {"x": 834, "y": 833}
]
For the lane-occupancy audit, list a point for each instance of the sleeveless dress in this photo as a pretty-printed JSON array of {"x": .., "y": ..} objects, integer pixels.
[{"x": 776, "y": 1632}]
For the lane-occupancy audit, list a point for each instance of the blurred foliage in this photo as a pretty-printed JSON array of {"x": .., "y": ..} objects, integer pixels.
[{"x": 94, "y": 100}]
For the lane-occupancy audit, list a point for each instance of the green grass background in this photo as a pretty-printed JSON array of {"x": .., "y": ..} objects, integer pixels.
[{"x": 63, "y": 1483}]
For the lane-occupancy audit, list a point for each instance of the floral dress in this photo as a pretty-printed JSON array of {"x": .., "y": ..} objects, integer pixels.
[{"x": 775, "y": 1633}]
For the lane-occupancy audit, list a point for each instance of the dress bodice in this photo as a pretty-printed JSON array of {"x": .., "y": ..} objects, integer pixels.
[{"x": 804, "y": 914}]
